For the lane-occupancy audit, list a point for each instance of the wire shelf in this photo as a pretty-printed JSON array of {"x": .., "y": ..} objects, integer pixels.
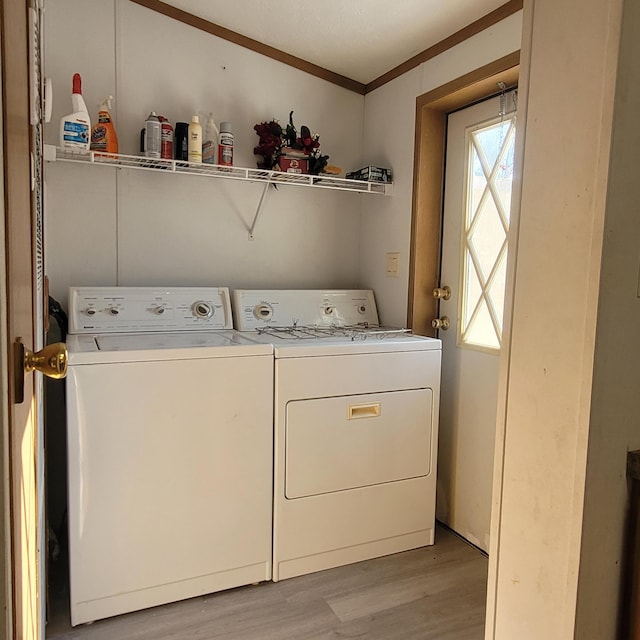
[{"x": 122, "y": 161}]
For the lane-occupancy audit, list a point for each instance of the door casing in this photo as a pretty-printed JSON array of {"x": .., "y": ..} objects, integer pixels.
[
  {"x": 428, "y": 179},
  {"x": 20, "y": 605}
]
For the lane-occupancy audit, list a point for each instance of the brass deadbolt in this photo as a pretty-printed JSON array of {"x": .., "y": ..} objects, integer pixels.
[{"x": 442, "y": 293}]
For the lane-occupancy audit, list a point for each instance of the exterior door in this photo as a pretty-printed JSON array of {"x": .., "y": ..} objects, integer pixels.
[
  {"x": 477, "y": 195},
  {"x": 24, "y": 604}
]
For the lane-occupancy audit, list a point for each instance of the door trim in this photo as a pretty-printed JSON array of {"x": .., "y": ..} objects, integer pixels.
[
  {"x": 6, "y": 610},
  {"x": 428, "y": 179},
  {"x": 21, "y": 604}
]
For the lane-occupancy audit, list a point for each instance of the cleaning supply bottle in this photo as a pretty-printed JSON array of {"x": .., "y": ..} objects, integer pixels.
[
  {"x": 166, "y": 138},
  {"x": 225, "y": 148},
  {"x": 103, "y": 134},
  {"x": 181, "y": 141},
  {"x": 195, "y": 140},
  {"x": 152, "y": 136},
  {"x": 210, "y": 141},
  {"x": 75, "y": 128}
]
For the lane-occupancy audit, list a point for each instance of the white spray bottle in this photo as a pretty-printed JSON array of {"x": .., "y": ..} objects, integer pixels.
[
  {"x": 75, "y": 128},
  {"x": 210, "y": 142}
]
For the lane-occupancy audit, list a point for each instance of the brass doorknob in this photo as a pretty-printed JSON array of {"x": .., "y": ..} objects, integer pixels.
[
  {"x": 441, "y": 323},
  {"x": 50, "y": 361},
  {"x": 442, "y": 293}
]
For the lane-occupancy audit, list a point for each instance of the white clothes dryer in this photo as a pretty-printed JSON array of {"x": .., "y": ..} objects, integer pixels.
[
  {"x": 169, "y": 427},
  {"x": 356, "y": 427}
]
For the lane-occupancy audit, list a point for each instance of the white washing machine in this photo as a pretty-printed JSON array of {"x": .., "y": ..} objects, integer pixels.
[
  {"x": 356, "y": 425},
  {"x": 169, "y": 427}
]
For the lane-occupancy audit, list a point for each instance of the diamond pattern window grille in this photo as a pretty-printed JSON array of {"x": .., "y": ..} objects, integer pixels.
[{"x": 490, "y": 154}]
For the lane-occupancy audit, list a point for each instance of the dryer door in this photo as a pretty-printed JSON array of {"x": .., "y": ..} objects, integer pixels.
[{"x": 340, "y": 443}]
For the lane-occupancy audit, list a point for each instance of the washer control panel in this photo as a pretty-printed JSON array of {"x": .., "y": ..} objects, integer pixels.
[
  {"x": 140, "y": 309},
  {"x": 255, "y": 309}
]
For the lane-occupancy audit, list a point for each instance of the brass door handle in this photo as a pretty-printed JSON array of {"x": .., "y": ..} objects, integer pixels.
[
  {"x": 441, "y": 323},
  {"x": 442, "y": 293},
  {"x": 50, "y": 361}
]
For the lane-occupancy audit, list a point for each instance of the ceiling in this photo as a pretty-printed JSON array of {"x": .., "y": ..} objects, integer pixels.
[{"x": 360, "y": 39}]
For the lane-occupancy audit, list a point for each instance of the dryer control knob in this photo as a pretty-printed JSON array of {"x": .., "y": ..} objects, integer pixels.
[
  {"x": 91, "y": 311},
  {"x": 202, "y": 309},
  {"x": 114, "y": 311},
  {"x": 159, "y": 310},
  {"x": 263, "y": 311}
]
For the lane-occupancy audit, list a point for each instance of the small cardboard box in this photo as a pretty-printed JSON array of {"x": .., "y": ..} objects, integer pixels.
[
  {"x": 371, "y": 174},
  {"x": 290, "y": 164}
]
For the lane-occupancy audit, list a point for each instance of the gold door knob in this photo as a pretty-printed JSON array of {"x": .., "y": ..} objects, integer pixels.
[
  {"x": 50, "y": 361},
  {"x": 441, "y": 323},
  {"x": 442, "y": 293}
]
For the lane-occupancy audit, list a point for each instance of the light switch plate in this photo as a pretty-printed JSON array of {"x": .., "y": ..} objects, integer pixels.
[{"x": 393, "y": 265}]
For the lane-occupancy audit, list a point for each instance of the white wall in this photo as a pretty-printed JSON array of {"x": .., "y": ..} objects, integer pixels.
[
  {"x": 107, "y": 226},
  {"x": 389, "y": 131}
]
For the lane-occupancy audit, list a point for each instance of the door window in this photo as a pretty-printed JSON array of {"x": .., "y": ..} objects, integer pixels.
[{"x": 489, "y": 150}]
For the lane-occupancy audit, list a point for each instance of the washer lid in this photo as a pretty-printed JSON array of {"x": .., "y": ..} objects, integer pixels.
[
  {"x": 174, "y": 340},
  {"x": 112, "y": 348}
]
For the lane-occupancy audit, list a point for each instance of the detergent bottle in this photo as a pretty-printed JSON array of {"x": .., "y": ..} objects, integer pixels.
[
  {"x": 194, "y": 145},
  {"x": 103, "y": 134},
  {"x": 75, "y": 128}
]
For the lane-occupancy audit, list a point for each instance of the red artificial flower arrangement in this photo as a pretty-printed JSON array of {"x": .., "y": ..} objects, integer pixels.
[{"x": 276, "y": 142}]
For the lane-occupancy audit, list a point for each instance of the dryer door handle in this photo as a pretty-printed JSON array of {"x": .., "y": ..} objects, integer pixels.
[{"x": 356, "y": 411}]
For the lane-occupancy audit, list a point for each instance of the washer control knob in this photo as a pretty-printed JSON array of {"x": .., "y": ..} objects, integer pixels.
[
  {"x": 328, "y": 310},
  {"x": 202, "y": 309},
  {"x": 159, "y": 310},
  {"x": 263, "y": 311},
  {"x": 114, "y": 311},
  {"x": 91, "y": 311},
  {"x": 362, "y": 309}
]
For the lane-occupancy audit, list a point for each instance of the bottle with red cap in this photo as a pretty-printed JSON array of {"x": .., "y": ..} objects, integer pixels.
[
  {"x": 75, "y": 128},
  {"x": 166, "y": 139}
]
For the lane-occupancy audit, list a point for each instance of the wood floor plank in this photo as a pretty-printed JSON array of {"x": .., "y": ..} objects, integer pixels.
[
  {"x": 207, "y": 619},
  {"x": 394, "y": 592},
  {"x": 452, "y": 614},
  {"x": 325, "y": 584}
]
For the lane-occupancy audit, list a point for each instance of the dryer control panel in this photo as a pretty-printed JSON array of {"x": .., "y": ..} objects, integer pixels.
[
  {"x": 256, "y": 309},
  {"x": 141, "y": 309}
]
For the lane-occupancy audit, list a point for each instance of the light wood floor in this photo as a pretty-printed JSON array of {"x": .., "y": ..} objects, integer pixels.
[{"x": 435, "y": 592}]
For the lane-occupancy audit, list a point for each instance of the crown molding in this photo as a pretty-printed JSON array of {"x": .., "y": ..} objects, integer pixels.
[
  {"x": 250, "y": 43},
  {"x": 502, "y": 12},
  {"x": 472, "y": 29}
]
